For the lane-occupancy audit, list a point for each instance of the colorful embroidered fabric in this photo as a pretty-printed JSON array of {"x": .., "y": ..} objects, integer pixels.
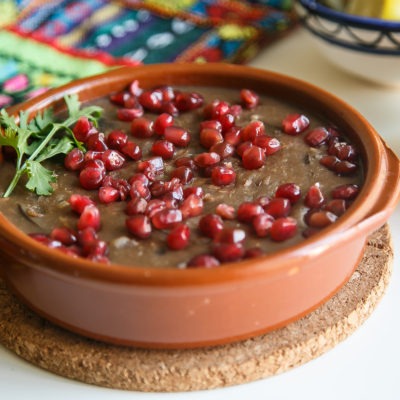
[{"x": 46, "y": 43}]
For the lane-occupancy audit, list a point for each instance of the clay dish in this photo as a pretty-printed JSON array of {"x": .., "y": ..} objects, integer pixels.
[{"x": 174, "y": 308}]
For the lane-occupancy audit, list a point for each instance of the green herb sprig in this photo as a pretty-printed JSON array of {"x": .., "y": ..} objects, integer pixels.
[{"x": 40, "y": 139}]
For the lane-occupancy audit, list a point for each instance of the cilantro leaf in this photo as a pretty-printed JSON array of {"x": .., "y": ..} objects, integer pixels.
[{"x": 40, "y": 178}]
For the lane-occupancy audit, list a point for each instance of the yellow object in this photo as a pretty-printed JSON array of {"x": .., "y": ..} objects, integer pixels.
[
  {"x": 386, "y": 9},
  {"x": 391, "y": 10}
]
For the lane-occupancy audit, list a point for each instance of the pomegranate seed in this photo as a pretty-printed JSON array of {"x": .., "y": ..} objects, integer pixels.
[
  {"x": 228, "y": 252},
  {"x": 294, "y": 124},
  {"x": 232, "y": 136},
  {"x": 336, "y": 206},
  {"x": 248, "y": 210},
  {"x": 131, "y": 150},
  {"x": 139, "y": 177},
  {"x": 269, "y": 144},
  {"x": 90, "y": 156},
  {"x": 184, "y": 174},
  {"x": 346, "y": 192},
  {"x": 223, "y": 149},
  {"x": 82, "y": 129},
  {"x": 185, "y": 162},
  {"x": 90, "y": 218},
  {"x": 178, "y": 136},
  {"x": 253, "y": 253},
  {"x": 95, "y": 163},
  {"x": 162, "y": 122},
  {"x": 211, "y": 124},
  {"x": 139, "y": 225},
  {"x": 138, "y": 205},
  {"x": 163, "y": 148},
  {"x": 210, "y": 225},
  {"x": 209, "y": 137},
  {"x": 203, "y": 261},
  {"x": 249, "y": 98},
  {"x": 263, "y": 201},
  {"x": 230, "y": 235},
  {"x": 314, "y": 197},
  {"x": 197, "y": 190},
  {"x": 289, "y": 191},
  {"x": 236, "y": 110},
  {"x": 151, "y": 100},
  {"x": 317, "y": 137},
  {"x": 169, "y": 108},
  {"x": 321, "y": 219},
  {"x": 168, "y": 93},
  {"x": 191, "y": 206},
  {"x": 142, "y": 127},
  {"x": 96, "y": 142},
  {"x": 262, "y": 224},
  {"x": 345, "y": 168},
  {"x": 203, "y": 160},
  {"x": 45, "y": 240},
  {"x": 225, "y": 211},
  {"x": 155, "y": 164},
  {"x": 178, "y": 237},
  {"x": 91, "y": 178},
  {"x": 64, "y": 235},
  {"x": 252, "y": 130},
  {"x": 343, "y": 151},
  {"x": 113, "y": 160},
  {"x": 134, "y": 88},
  {"x": 96, "y": 249},
  {"x": 116, "y": 139},
  {"x": 253, "y": 158},
  {"x": 154, "y": 206},
  {"x": 130, "y": 114},
  {"x": 283, "y": 229},
  {"x": 86, "y": 237},
  {"x": 242, "y": 147},
  {"x": 78, "y": 202},
  {"x": 222, "y": 176},
  {"x": 74, "y": 160},
  {"x": 119, "y": 98},
  {"x": 166, "y": 218},
  {"x": 139, "y": 189},
  {"x": 215, "y": 109},
  {"x": 108, "y": 194},
  {"x": 227, "y": 121},
  {"x": 188, "y": 101}
]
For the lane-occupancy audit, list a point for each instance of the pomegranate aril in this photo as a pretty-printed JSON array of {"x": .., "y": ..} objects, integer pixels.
[
  {"x": 191, "y": 206},
  {"x": 223, "y": 149},
  {"x": 249, "y": 98},
  {"x": 154, "y": 206},
  {"x": 294, "y": 124},
  {"x": 263, "y": 201},
  {"x": 91, "y": 155},
  {"x": 230, "y": 235},
  {"x": 95, "y": 162},
  {"x": 90, "y": 218},
  {"x": 215, "y": 109},
  {"x": 116, "y": 139},
  {"x": 336, "y": 206},
  {"x": 346, "y": 192},
  {"x": 236, "y": 110},
  {"x": 185, "y": 162},
  {"x": 78, "y": 202},
  {"x": 203, "y": 160},
  {"x": 188, "y": 101},
  {"x": 211, "y": 124},
  {"x": 162, "y": 122},
  {"x": 74, "y": 160},
  {"x": 134, "y": 88},
  {"x": 222, "y": 176},
  {"x": 262, "y": 224},
  {"x": 227, "y": 121},
  {"x": 278, "y": 207},
  {"x": 86, "y": 237},
  {"x": 314, "y": 197},
  {"x": 203, "y": 261},
  {"x": 119, "y": 98},
  {"x": 232, "y": 136},
  {"x": 82, "y": 129},
  {"x": 209, "y": 137},
  {"x": 96, "y": 142},
  {"x": 131, "y": 150},
  {"x": 98, "y": 248},
  {"x": 254, "y": 252},
  {"x": 166, "y": 218},
  {"x": 321, "y": 219},
  {"x": 253, "y": 158},
  {"x": 139, "y": 189},
  {"x": 343, "y": 151},
  {"x": 269, "y": 144},
  {"x": 138, "y": 205},
  {"x": 163, "y": 148},
  {"x": 179, "y": 236},
  {"x": 91, "y": 178},
  {"x": 317, "y": 136},
  {"x": 289, "y": 191},
  {"x": 151, "y": 100},
  {"x": 283, "y": 229},
  {"x": 228, "y": 252},
  {"x": 248, "y": 210},
  {"x": 168, "y": 108},
  {"x": 225, "y": 211},
  {"x": 139, "y": 177},
  {"x": 345, "y": 168},
  {"x": 242, "y": 147},
  {"x": 197, "y": 190},
  {"x": 210, "y": 225},
  {"x": 155, "y": 164},
  {"x": 142, "y": 127},
  {"x": 139, "y": 225},
  {"x": 130, "y": 114},
  {"x": 64, "y": 235},
  {"x": 184, "y": 174},
  {"x": 178, "y": 136},
  {"x": 108, "y": 194},
  {"x": 252, "y": 130},
  {"x": 113, "y": 160}
]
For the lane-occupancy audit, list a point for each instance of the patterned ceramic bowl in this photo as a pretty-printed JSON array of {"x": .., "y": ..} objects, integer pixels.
[{"x": 366, "y": 47}]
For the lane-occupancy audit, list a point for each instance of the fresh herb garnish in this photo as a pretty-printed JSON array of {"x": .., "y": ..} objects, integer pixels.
[{"x": 40, "y": 139}]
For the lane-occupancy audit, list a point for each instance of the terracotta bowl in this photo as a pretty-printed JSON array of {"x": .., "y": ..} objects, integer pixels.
[{"x": 174, "y": 308}]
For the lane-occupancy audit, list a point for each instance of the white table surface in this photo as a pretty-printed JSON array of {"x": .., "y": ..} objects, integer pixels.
[{"x": 365, "y": 366}]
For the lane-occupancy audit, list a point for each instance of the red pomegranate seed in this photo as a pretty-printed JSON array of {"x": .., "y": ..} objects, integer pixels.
[
  {"x": 132, "y": 150},
  {"x": 314, "y": 197},
  {"x": 74, "y": 160},
  {"x": 64, "y": 235},
  {"x": 166, "y": 218},
  {"x": 162, "y": 122},
  {"x": 168, "y": 93},
  {"x": 96, "y": 249},
  {"x": 82, "y": 129},
  {"x": 345, "y": 168},
  {"x": 346, "y": 192},
  {"x": 203, "y": 261},
  {"x": 263, "y": 201},
  {"x": 248, "y": 210},
  {"x": 294, "y": 124},
  {"x": 249, "y": 98},
  {"x": 215, "y": 109},
  {"x": 91, "y": 155},
  {"x": 119, "y": 98},
  {"x": 197, "y": 190},
  {"x": 283, "y": 229},
  {"x": 225, "y": 211},
  {"x": 139, "y": 225},
  {"x": 185, "y": 162},
  {"x": 210, "y": 225},
  {"x": 113, "y": 160},
  {"x": 169, "y": 108},
  {"x": 90, "y": 218},
  {"x": 108, "y": 194},
  {"x": 253, "y": 158},
  {"x": 211, "y": 124},
  {"x": 139, "y": 177},
  {"x": 329, "y": 162},
  {"x": 321, "y": 219},
  {"x": 232, "y": 136},
  {"x": 95, "y": 163},
  {"x": 155, "y": 164},
  {"x": 343, "y": 151},
  {"x": 252, "y": 130},
  {"x": 336, "y": 206},
  {"x": 262, "y": 224},
  {"x": 223, "y": 149},
  {"x": 191, "y": 206},
  {"x": 254, "y": 252},
  {"x": 179, "y": 236},
  {"x": 86, "y": 237},
  {"x": 184, "y": 174},
  {"x": 96, "y": 142},
  {"x": 188, "y": 101},
  {"x": 317, "y": 136},
  {"x": 78, "y": 202},
  {"x": 130, "y": 114},
  {"x": 227, "y": 121},
  {"x": 178, "y": 136},
  {"x": 289, "y": 191},
  {"x": 45, "y": 240},
  {"x": 138, "y": 205},
  {"x": 203, "y": 160},
  {"x": 163, "y": 148},
  {"x": 151, "y": 100},
  {"x": 230, "y": 235},
  {"x": 154, "y": 206},
  {"x": 139, "y": 189},
  {"x": 142, "y": 127},
  {"x": 91, "y": 178},
  {"x": 134, "y": 88},
  {"x": 228, "y": 252},
  {"x": 242, "y": 147},
  {"x": 222, "y": 176},
  {"x": 209, "y": 137},
  {"x": 170, "y": 202},
  {"x": 269, "y": 144},
  {"x": 236, "y": 110},
  {"x": 116, "y": 139}
]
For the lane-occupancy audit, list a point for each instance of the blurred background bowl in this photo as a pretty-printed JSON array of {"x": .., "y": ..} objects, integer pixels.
[{"x": 366, "y": 47}]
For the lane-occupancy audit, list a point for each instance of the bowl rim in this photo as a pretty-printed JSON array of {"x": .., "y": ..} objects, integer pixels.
[
  {"x": 279, "y": 262},
  {"x": 370, "y": 23}
]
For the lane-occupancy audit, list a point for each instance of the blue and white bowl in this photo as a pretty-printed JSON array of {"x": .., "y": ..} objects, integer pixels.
[{"x": 362, "y": 46}]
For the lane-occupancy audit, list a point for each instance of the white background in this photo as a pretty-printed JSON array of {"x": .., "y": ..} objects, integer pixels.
[{"x": 366, "y": 365}]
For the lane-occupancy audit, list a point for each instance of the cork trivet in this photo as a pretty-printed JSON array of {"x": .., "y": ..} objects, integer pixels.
[{"x": 75, "y": 357}]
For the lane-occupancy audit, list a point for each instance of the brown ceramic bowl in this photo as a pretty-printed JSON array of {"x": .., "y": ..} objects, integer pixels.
[{"x": 174, "y": 308}]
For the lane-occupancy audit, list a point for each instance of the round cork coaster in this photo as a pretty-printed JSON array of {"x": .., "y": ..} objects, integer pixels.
[{"x": 75, "y": 357}]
